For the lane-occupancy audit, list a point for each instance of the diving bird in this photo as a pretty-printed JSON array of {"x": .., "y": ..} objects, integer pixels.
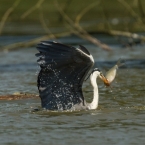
[{"x": 63, "y": 69}]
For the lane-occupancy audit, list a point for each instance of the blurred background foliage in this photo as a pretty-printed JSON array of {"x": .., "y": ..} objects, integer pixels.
[{"x": 56, "y": 18}]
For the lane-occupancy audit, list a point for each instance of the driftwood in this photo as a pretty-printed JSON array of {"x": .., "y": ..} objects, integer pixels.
[{"x": 19, "y": 96}]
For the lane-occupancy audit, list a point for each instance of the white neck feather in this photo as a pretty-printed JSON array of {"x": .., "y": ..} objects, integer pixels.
[{"x": 94, "y": 103}]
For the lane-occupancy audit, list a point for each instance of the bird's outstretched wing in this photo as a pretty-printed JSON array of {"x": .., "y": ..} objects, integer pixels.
[{"x": 63, "y": 69}]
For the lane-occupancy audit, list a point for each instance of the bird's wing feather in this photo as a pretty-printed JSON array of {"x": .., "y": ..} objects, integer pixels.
[{"x": 63, "y": 69}]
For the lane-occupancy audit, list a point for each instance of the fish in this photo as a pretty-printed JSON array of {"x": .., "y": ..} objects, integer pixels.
[{"x": 111, "y": 74}]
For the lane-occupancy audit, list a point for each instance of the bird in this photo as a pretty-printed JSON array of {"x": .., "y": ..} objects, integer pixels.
[{"x": 63, "y": 69}]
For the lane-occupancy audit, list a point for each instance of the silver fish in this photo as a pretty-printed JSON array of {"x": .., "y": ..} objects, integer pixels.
[{"x": 111, "y": 74}]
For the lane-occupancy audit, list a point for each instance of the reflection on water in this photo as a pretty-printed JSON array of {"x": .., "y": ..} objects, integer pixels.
[{"x": 119, "y": 118}]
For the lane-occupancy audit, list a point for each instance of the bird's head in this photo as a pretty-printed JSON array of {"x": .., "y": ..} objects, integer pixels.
[{"x": 97, "y": 72}]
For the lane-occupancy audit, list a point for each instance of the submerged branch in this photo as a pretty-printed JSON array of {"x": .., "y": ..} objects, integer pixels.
[
  {"x": 32, "y": 42},
  {"x": 127, "y": 34},
  {"x": 91, "y": 39}
]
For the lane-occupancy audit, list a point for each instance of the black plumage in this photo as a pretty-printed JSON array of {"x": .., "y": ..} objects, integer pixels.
[{"x": 63, "y": 70}]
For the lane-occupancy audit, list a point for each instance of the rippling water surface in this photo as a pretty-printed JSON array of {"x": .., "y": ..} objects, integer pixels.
[{"x": 119, "y": 119}]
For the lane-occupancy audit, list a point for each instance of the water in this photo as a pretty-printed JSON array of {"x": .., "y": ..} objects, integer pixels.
[{"x": 119, "y": 119}]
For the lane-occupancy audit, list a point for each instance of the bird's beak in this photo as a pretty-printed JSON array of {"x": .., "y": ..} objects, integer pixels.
[{"x": 104, "y": 79}]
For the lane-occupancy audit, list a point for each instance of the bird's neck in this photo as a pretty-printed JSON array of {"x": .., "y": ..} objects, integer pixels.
[{"x": 94, "y": 103}]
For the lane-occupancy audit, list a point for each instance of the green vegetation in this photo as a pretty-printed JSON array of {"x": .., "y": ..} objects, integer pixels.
[
  {"x": 95, "y": 15},
  {"x": 56, "y": 18}
]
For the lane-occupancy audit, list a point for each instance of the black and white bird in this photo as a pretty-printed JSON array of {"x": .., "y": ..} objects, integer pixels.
[{"x": 62, "y": 72}]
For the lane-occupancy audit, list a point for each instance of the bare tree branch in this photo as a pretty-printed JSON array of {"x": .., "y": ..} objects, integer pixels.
[
  {"x": 141, "y": 11},
  {"x": 131, "y": 11},
  {"x": 38, "y": 4},
  {"x": 84, "y": 11},
  {"x": 81, "y": 32},
  {"x": 127, "y": 34},
  {"x": 32, "y": 42},
  {"x": 7, "y": 13},
  {"x": 44, "y": 25}
]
